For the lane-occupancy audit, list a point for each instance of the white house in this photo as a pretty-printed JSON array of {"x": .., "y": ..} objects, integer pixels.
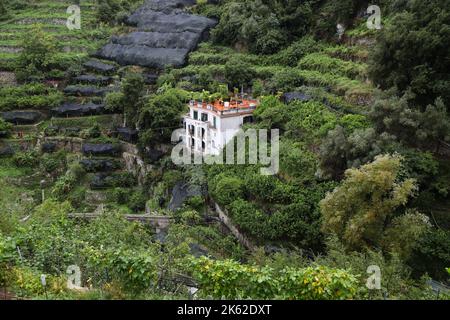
[{"x": 209, "y": 126}]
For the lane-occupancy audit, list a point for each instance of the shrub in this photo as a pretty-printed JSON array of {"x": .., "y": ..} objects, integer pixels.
[
  {"x": 29, "y": 96},
  {"x": 26, "y": 159},
  {"x": 38, "y": 54},
  {"x": 225, "y": 189},
  {"x": 77, "y": 197},
  {"x": 423, "y": 70},
  {"x": 120, "y": 195},
  {"x": 5, "y": 128},
  {"x": 114, "y": 101},
  {"x": 114, "y": 11},
  {"x": 67, "y": 182},
  {"x": 296, "y": 51},
  {"x": 91, "y": 133},
  {"x": 352, "y": 122},
  {"x": 137, "y": 201},
  {"x": 4, "y": 14},
  {"x": 231, "y": 280},
  {"x": 238, "y": 73},
  {"x": 51, "y": 162},
  {"x": 195, "y": 202}
]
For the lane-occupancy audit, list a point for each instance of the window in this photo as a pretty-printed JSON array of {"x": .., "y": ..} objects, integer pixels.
[
  {"x": 248, "y": 119},
  {"x": 195, "y": 115},
  {"x": 214, "y": 122},
  {"x": 204, "y": 117}
]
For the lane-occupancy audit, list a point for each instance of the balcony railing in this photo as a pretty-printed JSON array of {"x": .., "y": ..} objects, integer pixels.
[{"x": 224, "y": 108}]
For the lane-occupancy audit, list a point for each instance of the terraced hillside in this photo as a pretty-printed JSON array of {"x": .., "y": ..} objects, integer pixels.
[
  {"x": 86, "y": 138},
  {"x": 52, "y": 16}
]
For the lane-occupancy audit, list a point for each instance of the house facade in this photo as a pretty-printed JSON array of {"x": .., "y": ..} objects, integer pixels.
[{"x": 210, "y": 126}]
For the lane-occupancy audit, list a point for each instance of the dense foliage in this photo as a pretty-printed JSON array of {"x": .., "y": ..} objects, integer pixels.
[
  {"x": 161, "y": 115},
  {"x": 38, "y": 55},
  {"x": 424, "y": 26},
  {"x": 229, "y": 279},
  {"x": 363, "y": 174},
  {"x": 363, "y": 210},
  {"x": 29, "y": 96}
]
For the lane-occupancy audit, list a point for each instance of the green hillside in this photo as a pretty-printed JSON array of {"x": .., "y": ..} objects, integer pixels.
[{"x": 87, "y": 177}]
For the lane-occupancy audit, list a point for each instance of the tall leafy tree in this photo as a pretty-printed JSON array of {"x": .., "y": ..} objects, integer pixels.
[
  {"x": 413, "y": 52},
  {"x": 132, "y": 90},
  {"x": 404, "y": 119},
  {"x": 263, "y": 26},
  {"x": 160, "y": 116},
  {"x": 238, "y": 73},
  {"x": 38, "y": 54},
  {"x": 364, "y": 210},
  {"x": 3, "y": 11}
]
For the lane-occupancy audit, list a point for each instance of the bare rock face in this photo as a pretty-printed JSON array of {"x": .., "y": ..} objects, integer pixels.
[{"x": 165, "y": 35}]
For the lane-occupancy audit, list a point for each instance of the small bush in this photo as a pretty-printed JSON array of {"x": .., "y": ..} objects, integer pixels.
[
  {"x": 5, "y": 128},
  {"x": 25, "y": 159},
  {"x": 51, "y": 162},
  {"x": 120, "y": 195},
  {"x": 114, "y": 101},
  {"x": 137, "y": 201},
  {"x": 91, "y": 133}
]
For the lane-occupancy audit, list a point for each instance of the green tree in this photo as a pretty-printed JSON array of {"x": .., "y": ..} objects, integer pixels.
[
  {"x": 106, "y": 10},
  {"x": 334, "y": 12},
  {"x": 161, "y": 115},
  {"x": 333, "y": 153},
  {"x": 341, "y": 150},
  {"x": 257, "y": 88},
  {"x": 362, "y": 211},
  {"x": 263, "y": 26},
  {"x": 38, "y": 54},
  {"x": 404, "y": 119},
  {"x": 4, "y": 14},
  {"x": 396, "y": 275},
  {"x": 423, "y": 26},
  {"x": 238, "y": 73},
  {"x": 432, "y": 255},
  {"x": 225, "y": 188},
  {"x": 132, "y": 89}
]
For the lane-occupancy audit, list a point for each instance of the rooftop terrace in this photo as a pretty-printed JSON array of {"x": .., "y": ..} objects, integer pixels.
[{"x": 227, "y": 107}]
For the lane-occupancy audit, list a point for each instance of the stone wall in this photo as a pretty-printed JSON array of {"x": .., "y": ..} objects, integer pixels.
[
  {"x": 223, "y": 216},
  {"x": 70, "y": 144},
  {"x": 135, "y": 165}
]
